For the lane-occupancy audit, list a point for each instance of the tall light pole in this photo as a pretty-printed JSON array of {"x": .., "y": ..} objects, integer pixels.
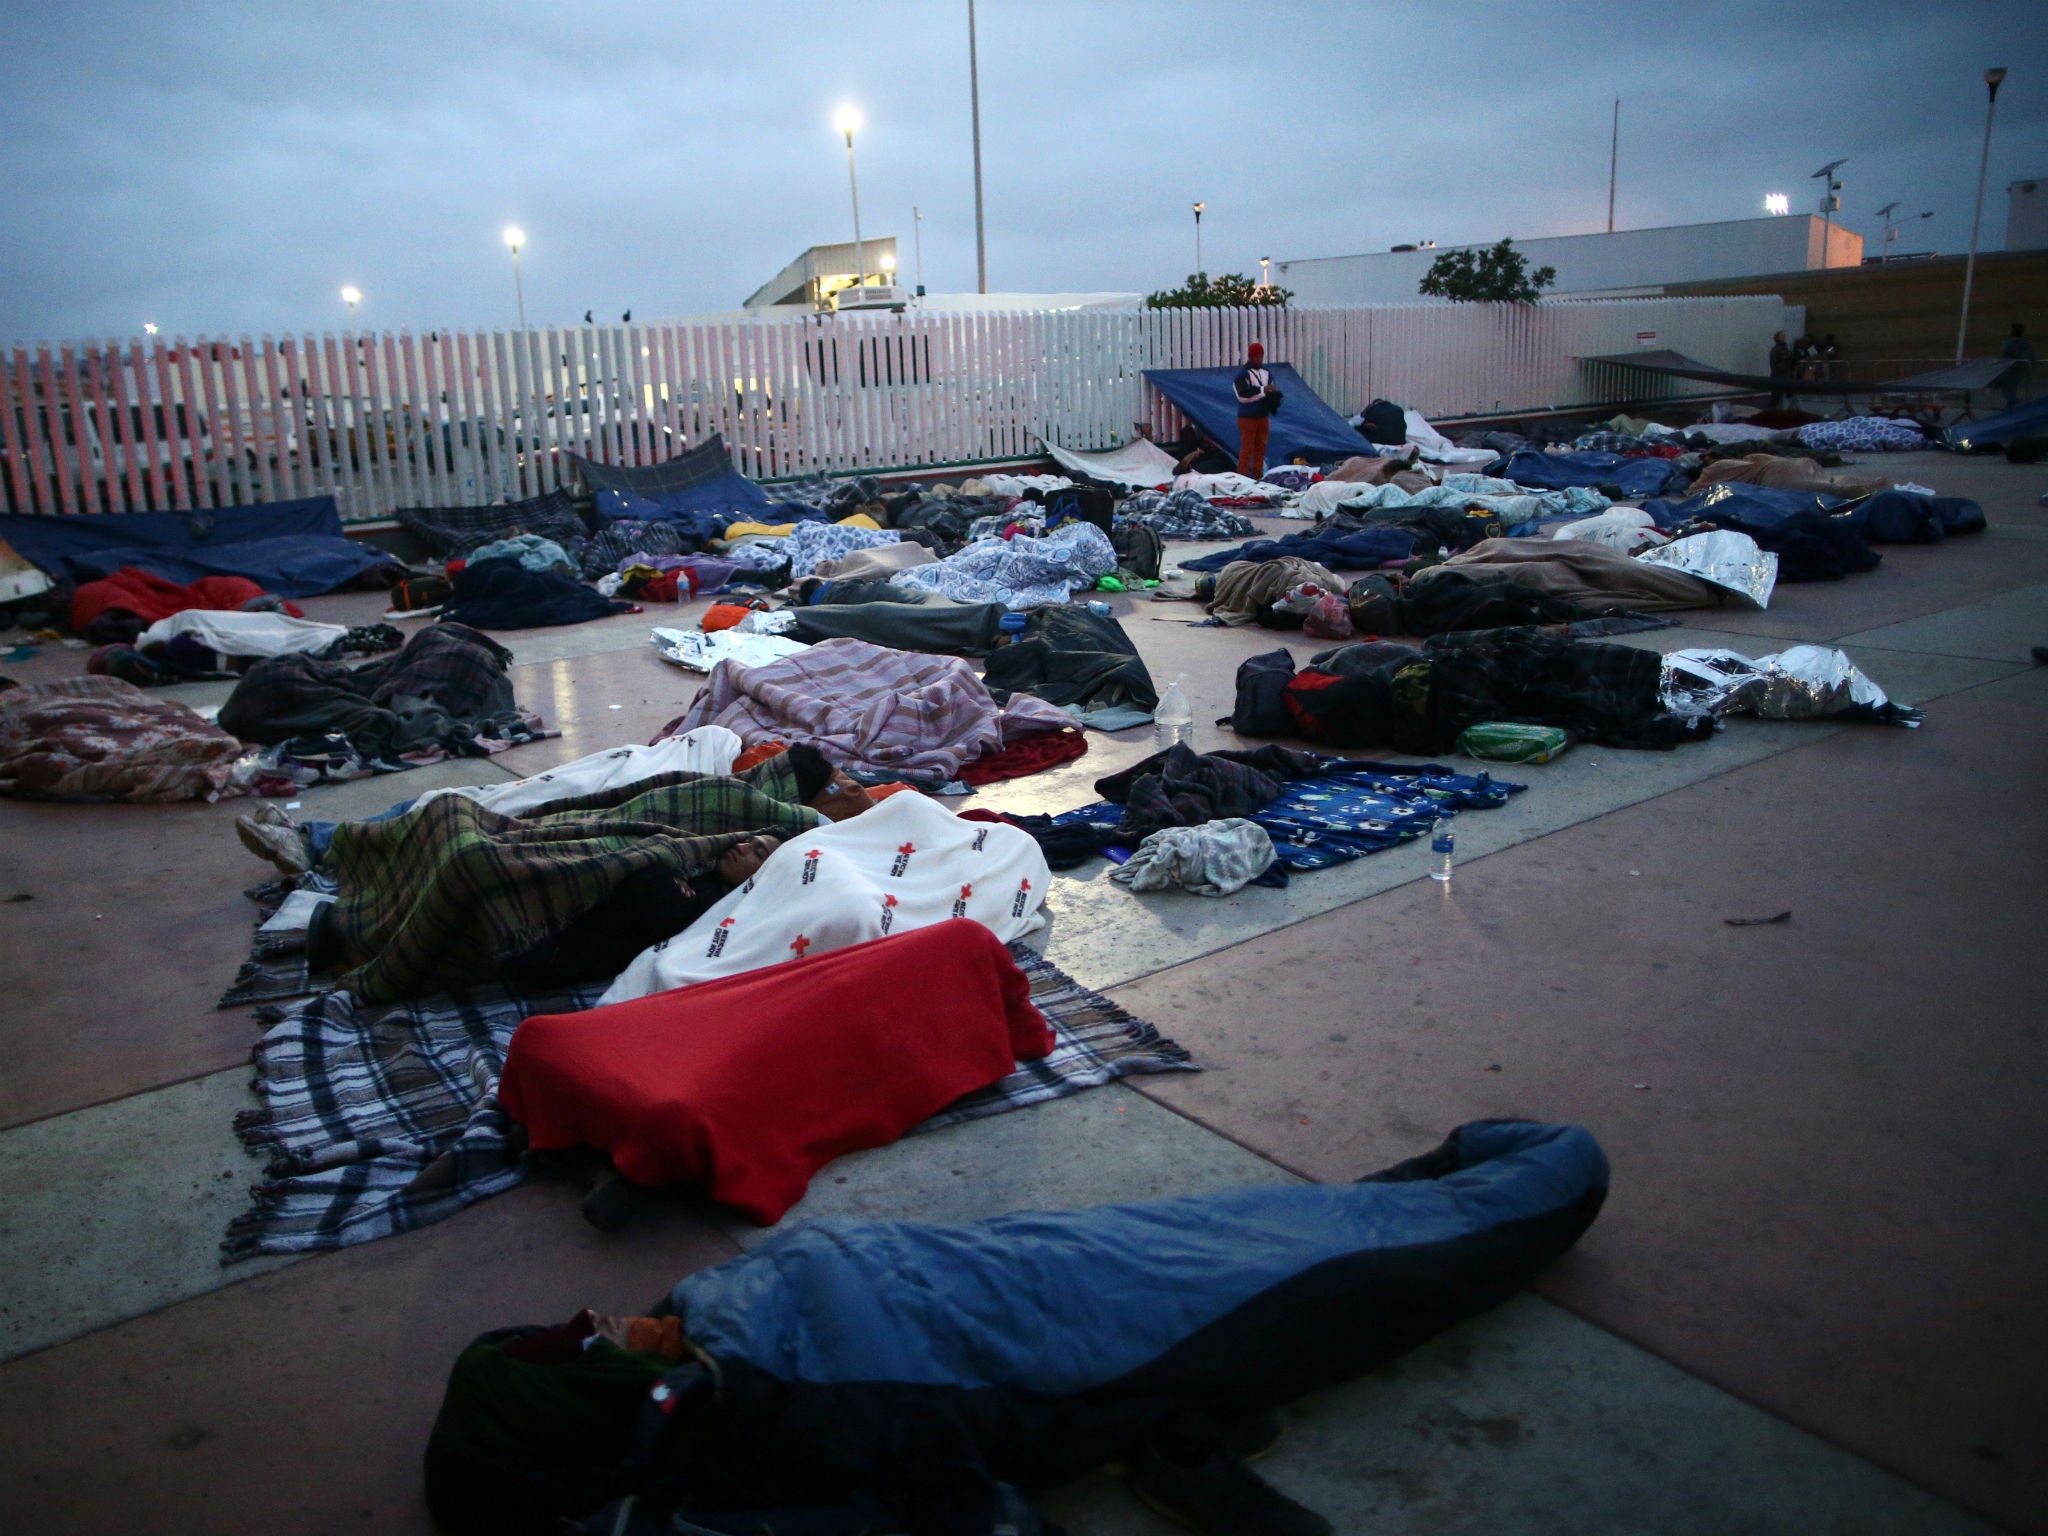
[
  {"x": 846, "y": 120},
  {"x": 1993, "y": 79},
  {"x": 351, "y": 295},
  {"x": 1613, "y": 163},
  {"x": 1265, "y": 271},
  {"x": 917, "y": 239},
  {"x": 1198, "y": 237},
  {"x": 974, "y": 102},
  {"x": 516, "y": 237},
  {"x": 1830, "y": 205}
]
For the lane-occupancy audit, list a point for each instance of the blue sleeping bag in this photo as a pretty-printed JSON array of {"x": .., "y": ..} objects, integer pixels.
[
  {"x": 1883, "y": 517},
  {"x": 1560, "y": 471},
  {"x": 291, "y": 548},
  {"x": 1365, "y": 549},
  {"x": 908, "y": 1368},
  {"x": 704, "y": 508}
]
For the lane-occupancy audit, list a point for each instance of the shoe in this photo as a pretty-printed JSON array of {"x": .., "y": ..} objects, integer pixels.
[
  {"x": 1220, "y": 1496},
  {"x": 283, "y": 845},
  {"x": 613, "y": 1201},
  {"x": 2041, "y": 655}
]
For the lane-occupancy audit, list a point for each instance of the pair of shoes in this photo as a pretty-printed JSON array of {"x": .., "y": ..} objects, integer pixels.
[
  {"x": 1220, "y": 1496},
  {"x": 272, "y": 835}
]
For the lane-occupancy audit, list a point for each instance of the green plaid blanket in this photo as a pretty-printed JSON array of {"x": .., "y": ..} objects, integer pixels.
[{"x": 436, "y": 898}]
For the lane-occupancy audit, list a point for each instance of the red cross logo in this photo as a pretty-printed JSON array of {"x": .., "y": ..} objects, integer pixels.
[
  {"x": 908, "y": 848},
  {"x": 966, "y": 891},
  {"x": 800, "y": 944},
  {"x": 888, "y": 901}
]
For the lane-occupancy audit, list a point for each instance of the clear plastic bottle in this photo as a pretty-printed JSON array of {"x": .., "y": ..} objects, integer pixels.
[
  {"x": 1441, "y": 841},
  {"x": 1174, "y": 719}
]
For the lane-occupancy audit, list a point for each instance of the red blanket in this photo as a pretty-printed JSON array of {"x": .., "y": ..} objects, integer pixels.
[
  {"x": 151, "y": 598},
  {"x": 752, "y": 1083}
]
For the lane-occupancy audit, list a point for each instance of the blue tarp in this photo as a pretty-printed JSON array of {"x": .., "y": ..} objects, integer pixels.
[
  {"x": 1303, "y": 425},
  {"x": 1560, "y": 471},
  {"x": 291, "y": 548},
  {"x": 2029, "y": 420}
]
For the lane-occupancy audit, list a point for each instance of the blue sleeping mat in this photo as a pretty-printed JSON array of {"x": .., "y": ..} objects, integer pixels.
[
  {"x": 1303, "y": 426},
  {"x": 291, "y": 548}
]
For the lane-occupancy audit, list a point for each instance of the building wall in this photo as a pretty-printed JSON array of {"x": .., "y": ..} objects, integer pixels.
[
  {"x": 2026, "y": 214},
  {"x": 1908, "y": 310},
  {"x": 1628, "y": 259}
]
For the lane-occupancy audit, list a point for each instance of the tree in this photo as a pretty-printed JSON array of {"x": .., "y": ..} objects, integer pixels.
[
  {"x": 1233, "y": 290},
  {"x": 1499, "y": 275}
]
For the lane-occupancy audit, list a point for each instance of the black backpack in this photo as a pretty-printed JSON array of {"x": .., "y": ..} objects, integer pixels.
[
  {"x": 1261, "y": 708},
  {"x": 1139, "y": 549}
]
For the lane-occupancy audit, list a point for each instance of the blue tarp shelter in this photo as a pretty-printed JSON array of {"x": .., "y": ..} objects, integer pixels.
[
  {"x": 291, "y": 548},
  {"x": 2029, "y": 420},
  {"x": 1303, "y": 426}
]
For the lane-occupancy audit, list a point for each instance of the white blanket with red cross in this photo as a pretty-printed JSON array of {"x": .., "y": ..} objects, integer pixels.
[{"x": 905, "y": 864}]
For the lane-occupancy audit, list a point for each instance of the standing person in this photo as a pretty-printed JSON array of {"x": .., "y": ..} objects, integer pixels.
[
  {"x": 1256, "y": 401},
  {"x": 2020, "y": 381},
  {"x": 1784, "y": 362}
]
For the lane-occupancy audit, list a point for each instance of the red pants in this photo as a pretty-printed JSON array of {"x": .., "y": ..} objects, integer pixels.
[{"x": 1251, "y": 445}]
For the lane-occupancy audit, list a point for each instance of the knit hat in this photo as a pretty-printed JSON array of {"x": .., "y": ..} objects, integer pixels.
[{"x": 1255, "y": 351}]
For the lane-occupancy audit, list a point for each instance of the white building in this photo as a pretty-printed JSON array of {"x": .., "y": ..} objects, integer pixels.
[
  {"x": 1627, "y": 261},
  {"x": 2026, "y": 214}
]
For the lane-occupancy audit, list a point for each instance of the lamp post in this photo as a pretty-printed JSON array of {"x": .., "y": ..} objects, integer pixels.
[
  {"x": 1830, "y": 205},
  {"x": 1993, "y": 79},
  {"x": 351, "y": 295},
  {"x": 974, "y": 103},
  {"x": 887, "y": 262},
  {"x": 847, "y": 120},
  {"x": 516, "y": 237},
  {"x": 149, "y": 327},
  {"x": 1198, "y": 237},
  {"x": 917, "y": 238}
]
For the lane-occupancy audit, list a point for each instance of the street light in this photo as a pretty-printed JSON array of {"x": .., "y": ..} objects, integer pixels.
[
  {"x": 1993, "y": 79},
  {"x": 516, "y": 237},
  {"x": 1777, "y": 203},
  {"x": 1265, "y": 271},
  {"x": 1198, "y": 235},
  {"x": 888, "y": 265},
  {"x": 149, "y": 327},
  {"x": 351, "y": 295},
  {"x": 1830, "y": 205},
  {"x": 847, "y": 121}
]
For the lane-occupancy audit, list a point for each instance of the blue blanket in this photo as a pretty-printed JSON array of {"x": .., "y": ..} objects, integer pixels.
[
  {"x": 1303, "y": 426},
  {"x": 2029, "y": 420},
  {"x": 1887, "y": 517},
  {"x": 727, "y": 496},
  {"x": 1558, "y": 471},
  {"x": 291, "y": 548},
  {"x": 503, "y": 594},
  {"x": 1364, "y": 550}
]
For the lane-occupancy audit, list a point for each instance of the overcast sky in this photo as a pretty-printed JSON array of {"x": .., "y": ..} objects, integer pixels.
[{"x": 226, "y": 167}]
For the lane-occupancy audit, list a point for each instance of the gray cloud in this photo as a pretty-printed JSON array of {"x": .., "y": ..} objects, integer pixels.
[{"x": 223, "y": 167}]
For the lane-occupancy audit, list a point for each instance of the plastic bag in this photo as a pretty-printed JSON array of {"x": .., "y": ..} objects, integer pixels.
[
  {"x": 1507, "y": 741},
  {"x": 1329, "y": 619}
]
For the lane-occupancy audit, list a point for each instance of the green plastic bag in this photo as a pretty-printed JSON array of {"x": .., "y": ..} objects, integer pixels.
[
  {"x": 1109, "y": 584},
  {"x": 1503, "y": 741}
]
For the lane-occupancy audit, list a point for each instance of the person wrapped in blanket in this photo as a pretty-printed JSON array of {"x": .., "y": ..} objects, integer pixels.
[
  {"x": 867, "y": 1376},
  {"x": 449, "y": 892}
]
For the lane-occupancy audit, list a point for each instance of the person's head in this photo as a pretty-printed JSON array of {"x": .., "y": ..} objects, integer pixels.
[
  {"x": 1779, "y": 338},
  {"x": 743, "y": 860},
  {"x": 842, "y": 799},
  {"x": 1256, "y": 352}
]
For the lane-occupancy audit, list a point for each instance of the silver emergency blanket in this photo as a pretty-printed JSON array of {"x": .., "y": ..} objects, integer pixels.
[
  {"x": 698, "y": 652},
  {"x": 1806, "y": 682},
  {"x": 1727, "y": 559}
]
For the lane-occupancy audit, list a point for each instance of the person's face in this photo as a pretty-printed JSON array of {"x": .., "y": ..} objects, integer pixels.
[{"x": 743, "y": 860}]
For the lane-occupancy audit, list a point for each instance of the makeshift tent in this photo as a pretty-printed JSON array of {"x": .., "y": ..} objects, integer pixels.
[
  {"x": 291, "y": 548},
  {"x": 2029, "y": 420},
  {"x": 1303, "y": 425},
  {"x": 1142, "y": 465},
  {"x": 705, "y": 462}
]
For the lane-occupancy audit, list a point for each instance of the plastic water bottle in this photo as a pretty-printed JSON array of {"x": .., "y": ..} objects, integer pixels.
[
  {"x": 1174, "y": 719},
  {"x": 1441, "y": 840}
]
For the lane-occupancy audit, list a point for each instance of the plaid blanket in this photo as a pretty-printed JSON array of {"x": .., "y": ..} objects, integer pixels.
[
  {"x": 435, "y": 898},
  {"x": 452, "y": 531},
  {"x": 378, "y": 1121},
  {"x": 686, "y": 471},
  {"x": 1184, "y": 515}
]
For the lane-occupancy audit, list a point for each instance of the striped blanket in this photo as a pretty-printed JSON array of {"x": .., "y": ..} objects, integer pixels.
[{"x": 380, "y": 1120}]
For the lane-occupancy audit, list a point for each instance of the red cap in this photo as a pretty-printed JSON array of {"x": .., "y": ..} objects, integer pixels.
[{"x": 1255, "y": 351}]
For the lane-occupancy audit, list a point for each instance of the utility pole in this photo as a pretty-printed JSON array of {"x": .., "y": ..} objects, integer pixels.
[
  {"x": 917, "y": 238},
  {"x": 974, "y": 99},
  {"x": 1613, "y": 163},
  {"x": 1993, "y": 79}
]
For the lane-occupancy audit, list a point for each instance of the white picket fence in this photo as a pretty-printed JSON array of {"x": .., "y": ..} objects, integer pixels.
[{"x": 381, "y": 421}]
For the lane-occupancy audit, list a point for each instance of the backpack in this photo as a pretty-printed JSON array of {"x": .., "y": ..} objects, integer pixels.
[
  {"x": 1261, "y": 707},
  {"x": 1376, "y": 607},
  {"x": 1139, "y": 549}
]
